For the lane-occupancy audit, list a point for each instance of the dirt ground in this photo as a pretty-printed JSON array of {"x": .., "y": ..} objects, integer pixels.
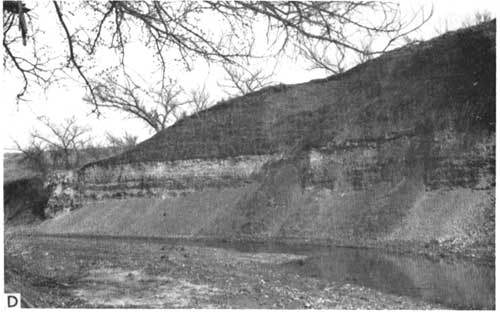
[{"x": 88, "y": 273}]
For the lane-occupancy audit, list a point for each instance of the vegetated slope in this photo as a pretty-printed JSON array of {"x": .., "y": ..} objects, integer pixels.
[
  {"x": 447, "y": 82},
  {"x": 399, "y": 148}
]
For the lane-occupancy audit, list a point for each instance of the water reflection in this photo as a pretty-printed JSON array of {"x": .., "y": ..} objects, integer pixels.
[{"x": 457, "y": 284}]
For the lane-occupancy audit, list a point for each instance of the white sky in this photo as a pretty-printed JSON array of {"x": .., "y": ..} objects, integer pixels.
[{"x": 65, "y": 100}]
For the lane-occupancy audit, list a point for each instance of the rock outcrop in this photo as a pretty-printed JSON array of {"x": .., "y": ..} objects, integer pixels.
[
  {"x": 400, "y": 148},
  {"x": 64, "y": 193}
]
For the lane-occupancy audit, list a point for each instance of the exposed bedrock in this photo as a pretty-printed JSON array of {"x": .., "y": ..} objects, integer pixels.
[
  {"x": 399, "y": 148},
  {"x": 169, "y": 178}
]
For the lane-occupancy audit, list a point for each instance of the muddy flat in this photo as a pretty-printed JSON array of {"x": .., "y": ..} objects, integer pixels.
[{"x": 101, "y": 273}]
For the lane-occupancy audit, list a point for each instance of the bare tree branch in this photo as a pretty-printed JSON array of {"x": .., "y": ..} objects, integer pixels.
[
  {"x": 185, "y": 32},
  {"x": 240, "y": 81},
  {"x": 164, "y": 105},
  {"x": 19, "y": 68},
  {"x": 200, "y": 99},
  {"x": 72, "y": 56}
]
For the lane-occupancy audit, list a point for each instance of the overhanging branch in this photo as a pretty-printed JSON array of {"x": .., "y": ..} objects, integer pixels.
[{"x": 72, "y": 58}]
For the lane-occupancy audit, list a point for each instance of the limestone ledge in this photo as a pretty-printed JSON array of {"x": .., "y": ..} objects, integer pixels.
[
  {"x": 341, "y": 170},
  {"x": 352, "y": 167},
  {"x": 171, "y": 177}
]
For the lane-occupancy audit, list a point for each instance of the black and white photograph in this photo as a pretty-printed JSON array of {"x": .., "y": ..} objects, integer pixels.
[{"x": 284, "y": 155}]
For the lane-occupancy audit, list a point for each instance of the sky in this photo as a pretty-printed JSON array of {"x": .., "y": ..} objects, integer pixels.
[{"x": 64, "y": 100}]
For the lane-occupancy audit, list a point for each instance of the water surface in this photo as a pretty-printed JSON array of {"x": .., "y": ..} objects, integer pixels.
[{"x": 457, "y": 284}]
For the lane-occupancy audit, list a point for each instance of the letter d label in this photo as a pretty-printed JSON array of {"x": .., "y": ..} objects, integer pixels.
[{"x": 13, "y": 300}]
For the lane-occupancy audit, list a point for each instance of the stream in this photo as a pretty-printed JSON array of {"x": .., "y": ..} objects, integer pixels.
[
  {"x": 454, "y": 283},
  {"x": 457, "y": 284}
]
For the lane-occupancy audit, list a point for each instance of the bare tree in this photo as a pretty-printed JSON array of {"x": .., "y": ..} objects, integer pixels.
[
  {"x": 34, "y": 156},
  {"x": 185, "y": 31},
  {"x": 200, "y": 99},
  {"x": 63, "y": 142},
  {"x": 157, "y": 106},
  {"x": 240, "y": 80}
]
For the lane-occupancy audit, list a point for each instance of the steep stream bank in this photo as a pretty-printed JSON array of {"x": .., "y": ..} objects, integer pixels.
[{"x": 397, "y": 151}]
